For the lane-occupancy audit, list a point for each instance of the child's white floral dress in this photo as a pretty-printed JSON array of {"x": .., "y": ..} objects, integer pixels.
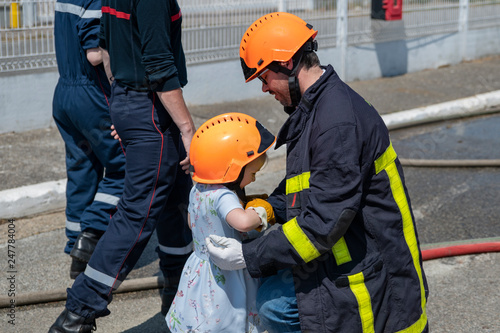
[{"x": 210, "y": 299}]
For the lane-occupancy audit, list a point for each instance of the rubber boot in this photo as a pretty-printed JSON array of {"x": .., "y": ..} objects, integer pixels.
[
  {"x": 77, "y": 267},
  {"x": 82, "y": 251},
  {"x": 69, "y": 322},
  {"x": 168, "y": 292}
]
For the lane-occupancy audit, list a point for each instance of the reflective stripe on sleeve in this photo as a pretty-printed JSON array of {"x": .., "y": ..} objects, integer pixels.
[
  {"x": 358, "y": 288},
  {"x": 388, "y": 157},
  {"x": 77, "y": 10},
  {"x": 386, "y": 162},
  {"x": 298, "y": 183},
  {"x": 341, "y": 252},
  {"x": 299, "y": 240}
]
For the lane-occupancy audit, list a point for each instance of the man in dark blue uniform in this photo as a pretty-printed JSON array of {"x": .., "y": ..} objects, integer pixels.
[
  {"x": 147, "y": 70},
  {"x": 95, "y": 163},
  {"x": 346, "y": 256}
]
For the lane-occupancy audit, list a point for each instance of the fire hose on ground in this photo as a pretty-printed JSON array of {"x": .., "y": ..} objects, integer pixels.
[{"x": 429, "y": 252}]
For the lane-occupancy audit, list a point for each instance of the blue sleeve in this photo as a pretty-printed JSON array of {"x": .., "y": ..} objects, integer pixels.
[
  {"x": 226, "y": 201},
  {"x": 89, "y": 25},
  {"x": 156, "y": 28}
]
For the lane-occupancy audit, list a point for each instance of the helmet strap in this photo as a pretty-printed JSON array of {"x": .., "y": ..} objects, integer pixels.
[
  {"x": 293, "y": 86},
  {"x": 293, "y": 81},
  {"x": 236, "y": 188}
]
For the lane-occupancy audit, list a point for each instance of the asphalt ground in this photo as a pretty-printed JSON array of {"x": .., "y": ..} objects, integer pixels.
[{"x": 450, "y": 205}]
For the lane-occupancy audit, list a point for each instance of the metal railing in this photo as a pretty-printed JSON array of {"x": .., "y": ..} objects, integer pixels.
[
  {"x": 212, "y": 29},
  {"x": 26, "y": 35}
]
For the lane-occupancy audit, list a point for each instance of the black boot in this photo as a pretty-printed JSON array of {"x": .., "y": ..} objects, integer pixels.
[
  {"x": 82, "y": 251},
  {"x": 85, "y": 245},
  {"x": 168, "y": 293},
  {"x": 69, "y": 322},
  {"x": 76, "y": 268}
]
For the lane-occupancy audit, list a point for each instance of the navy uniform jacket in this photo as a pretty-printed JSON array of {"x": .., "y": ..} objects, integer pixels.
[
  {"x": 76, "y": 30},
  {"x": 349, "y": 234},
  {"x": 143, "y": 38}
]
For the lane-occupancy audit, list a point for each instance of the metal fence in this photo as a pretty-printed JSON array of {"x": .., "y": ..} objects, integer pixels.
[{"x": 212, "y": 29}]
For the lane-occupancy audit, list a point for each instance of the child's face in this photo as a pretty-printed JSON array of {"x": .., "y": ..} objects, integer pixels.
[{"x": 251, "y": 169}]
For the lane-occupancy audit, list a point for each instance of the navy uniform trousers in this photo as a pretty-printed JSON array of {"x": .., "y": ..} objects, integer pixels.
[
  {"x": 95, "y": 163},
  {"x": 155, "y": 196}
]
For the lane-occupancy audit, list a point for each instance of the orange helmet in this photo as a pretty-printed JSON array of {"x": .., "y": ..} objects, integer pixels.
[
  {"x": 273, "y": 37},
  {"x": 224, "y": 145}
]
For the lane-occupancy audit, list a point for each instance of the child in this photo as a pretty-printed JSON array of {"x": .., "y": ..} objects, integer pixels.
[{"x": 226, "y": 152}]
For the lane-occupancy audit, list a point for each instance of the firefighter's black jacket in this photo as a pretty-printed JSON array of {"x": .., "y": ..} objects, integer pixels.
[{"x": 349, "y": 234}]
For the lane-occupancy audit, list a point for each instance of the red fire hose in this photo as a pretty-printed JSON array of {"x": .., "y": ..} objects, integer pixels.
[
  {"x": 435, "y": 251},
  {"x": 429, "y": 252}
]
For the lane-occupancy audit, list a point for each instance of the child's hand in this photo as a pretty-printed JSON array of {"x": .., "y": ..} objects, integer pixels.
[{"x": 265, "y": 212}]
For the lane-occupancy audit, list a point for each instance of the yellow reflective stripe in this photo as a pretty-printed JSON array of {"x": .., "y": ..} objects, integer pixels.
[
  {"x": 386, "y": 162},
  {"x": 358, "y": 287},
  {"x": 298, "y": 183},
  {"x": 387, "y": 158},
  {"x": 341, "y": 252},
  {"x": 299, "y": 240},
  {"x": 408, "y": 230},
  {"x": 418, "y": 326}
]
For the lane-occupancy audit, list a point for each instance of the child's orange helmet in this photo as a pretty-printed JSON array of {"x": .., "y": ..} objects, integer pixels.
[
  {"x": 223, "y": 145},
  {"x": 273, "y": 37}
]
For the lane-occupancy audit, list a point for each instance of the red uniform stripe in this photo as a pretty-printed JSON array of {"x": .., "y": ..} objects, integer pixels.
[
  {"x": 176, "y": 16},
  {"x": 114, "y": 12},
  {"x": 152, "y": 197}
]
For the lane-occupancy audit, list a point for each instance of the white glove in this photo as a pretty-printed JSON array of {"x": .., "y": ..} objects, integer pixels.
[
  {"x": 261, "y": 212},
  {"x": 225, "y": 252}
]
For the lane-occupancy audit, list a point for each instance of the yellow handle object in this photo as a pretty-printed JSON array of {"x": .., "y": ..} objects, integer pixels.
[{"x": 268, "y": 208}]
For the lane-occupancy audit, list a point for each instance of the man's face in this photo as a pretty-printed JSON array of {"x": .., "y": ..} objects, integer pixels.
[{"x": 277, "y": 85}]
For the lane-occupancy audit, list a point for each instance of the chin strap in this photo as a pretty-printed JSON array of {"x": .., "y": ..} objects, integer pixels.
[
  {"x": 235, "y": 187},
  {"x": 293, "y": 86},
  {"x": 293, "y": 81}
]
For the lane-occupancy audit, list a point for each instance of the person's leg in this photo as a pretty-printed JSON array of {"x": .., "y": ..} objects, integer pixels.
[
  {"x": 95, "y": 124},
  {"x": 174, "y": 235},
  {"x": 83, "y": 169},
  {"x": 93, "y": 121},
  {"x": 149, "y": 177},
  {"x": 277, "y": 303}
]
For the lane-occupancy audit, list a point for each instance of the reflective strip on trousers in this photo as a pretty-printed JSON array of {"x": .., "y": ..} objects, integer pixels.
[
  {"x": 107, "y": 198},
  {"x": 178, "y": 251},
  {"x": 73, "y": 226},
  {"x": 102, "y": 278}
]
